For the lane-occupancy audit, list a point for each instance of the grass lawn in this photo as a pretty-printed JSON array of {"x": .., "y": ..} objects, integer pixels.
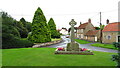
[
  {"x": 109, "y": 46},
  {"x": 82, "y": 41},
  {"x": 46, "y": 57},
  {"x": 56, "y": 39}
]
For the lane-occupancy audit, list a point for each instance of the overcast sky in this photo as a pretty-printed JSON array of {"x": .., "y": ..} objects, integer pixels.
[{"x": 62, "y": 11}]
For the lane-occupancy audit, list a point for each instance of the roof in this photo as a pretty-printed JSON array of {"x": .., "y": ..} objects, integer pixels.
[
  {"x": 112, "y": 27},
  {"x": 82, "y": 26},
  {"x": 92, "y": 32},
  {"x": 64, "y": 29},
  {"x": 59, "y": 30}
]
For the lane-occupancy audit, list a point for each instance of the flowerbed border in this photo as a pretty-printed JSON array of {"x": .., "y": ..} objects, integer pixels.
[{"x": 74, "y": 52}]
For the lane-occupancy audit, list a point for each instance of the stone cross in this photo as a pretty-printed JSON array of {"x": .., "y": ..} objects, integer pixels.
[
  {"x": 72, "y": 23},
  {"x": 72, "y": 46}
]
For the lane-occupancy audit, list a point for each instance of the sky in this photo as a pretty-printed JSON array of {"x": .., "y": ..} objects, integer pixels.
[{"x": 62, "y": 11}]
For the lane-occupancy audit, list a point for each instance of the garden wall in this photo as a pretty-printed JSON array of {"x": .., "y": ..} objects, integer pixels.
[{"x": 46, "y": 44}]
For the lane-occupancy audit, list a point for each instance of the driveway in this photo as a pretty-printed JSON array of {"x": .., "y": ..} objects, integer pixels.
[{"x": 67, "y": 40}]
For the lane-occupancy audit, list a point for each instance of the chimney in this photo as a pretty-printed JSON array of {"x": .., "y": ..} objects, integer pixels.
[
  {"x": 89, "y": 20},
  {"x": 80, "y": 23},
  {"x": 107, "y": 22}
]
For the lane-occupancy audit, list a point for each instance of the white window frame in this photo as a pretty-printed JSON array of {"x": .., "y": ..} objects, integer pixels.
[
  {"x": 95, "y": 38},
  {"x": 82, "y": 36}
]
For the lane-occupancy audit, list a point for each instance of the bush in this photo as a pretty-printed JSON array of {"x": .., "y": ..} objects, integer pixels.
[
  {"x": 14, "y": 42},
  {"x": 117, "y": 57}
]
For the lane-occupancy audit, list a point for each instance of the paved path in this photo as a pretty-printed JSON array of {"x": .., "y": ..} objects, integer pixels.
[{"x": 67, "y": 40}]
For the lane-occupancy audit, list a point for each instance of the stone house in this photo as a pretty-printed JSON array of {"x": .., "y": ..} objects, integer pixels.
[
  {"x": 111, "y": 32},
  {"x": 93, "y": 35},
  {"x": 88, "y": 32}
]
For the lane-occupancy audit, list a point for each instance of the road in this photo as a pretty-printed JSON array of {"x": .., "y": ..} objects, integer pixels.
[{"x": 67, "y": 40}]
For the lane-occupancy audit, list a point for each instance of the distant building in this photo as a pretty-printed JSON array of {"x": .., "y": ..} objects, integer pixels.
[
  {"x": 111, "y": 33},
  {"x": 64, "y": 31},
  {"x": 88, "y": 32},
  {"x": 75, "y": 31}
]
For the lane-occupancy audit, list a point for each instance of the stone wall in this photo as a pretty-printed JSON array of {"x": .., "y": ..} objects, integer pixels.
[
  {"x": 113, "y": 38},
  {"x": 46, "y": 44}
]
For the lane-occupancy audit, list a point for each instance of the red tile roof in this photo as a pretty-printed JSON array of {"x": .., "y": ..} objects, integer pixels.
[
  {"x": 112, "y": 27},
  {"x": 92, "y": 32},
  {"x": 82, "y": 26}
]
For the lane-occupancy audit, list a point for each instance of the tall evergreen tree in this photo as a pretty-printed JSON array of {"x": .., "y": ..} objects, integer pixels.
[
  {"x": 52, "y": 26},
  {"x": 40, "y": 32},
  {"x": 23, "y": 22}
]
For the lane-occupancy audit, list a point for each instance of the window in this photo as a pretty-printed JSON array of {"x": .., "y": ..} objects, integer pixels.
[
  {"x": 108, "y": 37},
  {"x": 82, "y": 36},
  {"x": 81, "y": 30}
]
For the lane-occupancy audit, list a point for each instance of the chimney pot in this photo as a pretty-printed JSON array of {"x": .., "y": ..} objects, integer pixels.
[
  {"x": 107, "y": 21},
  {"x": 80, "y": 23},
  {"x": 89, "y": 20}
]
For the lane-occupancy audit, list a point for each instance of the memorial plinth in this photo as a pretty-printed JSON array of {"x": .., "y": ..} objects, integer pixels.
[{"x": 72, "y": 47}]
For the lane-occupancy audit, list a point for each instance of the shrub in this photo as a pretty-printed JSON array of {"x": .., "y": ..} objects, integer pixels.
[{"x": 10, "y": 41}]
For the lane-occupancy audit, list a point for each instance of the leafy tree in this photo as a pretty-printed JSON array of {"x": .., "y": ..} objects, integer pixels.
[
  {"x": 52, "y": 26},
  {"x": 101, "y": 28},
  {"x": 7, "y": 25},
  {"x": 10, "y": 34},
  {"x": 40, "y": 31},
  {"x": 97, "y": 28},
  {"x": 22, "y": 30}
]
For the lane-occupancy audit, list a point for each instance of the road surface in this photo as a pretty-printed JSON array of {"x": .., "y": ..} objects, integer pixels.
[{"x": 67, "y": 40}]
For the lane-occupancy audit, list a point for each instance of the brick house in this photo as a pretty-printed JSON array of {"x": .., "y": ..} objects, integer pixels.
[
  {"x": 111, "y": 32},
  {"x": 87, "y": 31}
]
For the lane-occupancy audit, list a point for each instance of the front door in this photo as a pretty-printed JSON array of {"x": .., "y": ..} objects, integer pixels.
[{"x": 95, "y": 38}]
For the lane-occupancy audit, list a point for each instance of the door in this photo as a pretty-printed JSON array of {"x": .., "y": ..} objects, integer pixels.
[{"x": 95, "y": 38}]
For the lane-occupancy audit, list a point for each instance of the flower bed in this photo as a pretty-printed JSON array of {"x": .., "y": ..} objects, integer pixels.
[{"x": 82, "y": 51}]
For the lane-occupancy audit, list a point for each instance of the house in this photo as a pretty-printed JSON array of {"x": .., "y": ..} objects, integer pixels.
[
  {"x": 87, "y": 31},
  {"x": 64, "y": 31},
  {"x": 93, "y": 35},
  {"x": 111, "y": 32}
]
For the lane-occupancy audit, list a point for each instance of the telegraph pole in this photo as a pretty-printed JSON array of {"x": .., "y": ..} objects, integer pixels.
[
  {"x": 100, "y": 19},
  {"x": 100, "y": 29}
]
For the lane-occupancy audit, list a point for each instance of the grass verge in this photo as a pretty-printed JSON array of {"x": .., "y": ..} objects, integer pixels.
[
  {"x": 109, "y": 46},
  {"x": 82, "y": 41},
  {"x": 46, "y": 57},
  {"x": 55, "y": 39}
]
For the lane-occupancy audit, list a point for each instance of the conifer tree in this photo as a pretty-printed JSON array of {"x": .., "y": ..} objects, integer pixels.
[
  {"x": 40, "y": 32},
  {"x": 52, "y": 26}
]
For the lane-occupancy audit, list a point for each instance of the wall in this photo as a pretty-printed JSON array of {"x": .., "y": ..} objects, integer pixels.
[
  {"x": 113, "y": 35},
  {"x": 89, "y": 38},
  {"x": 46, "y": 44}
]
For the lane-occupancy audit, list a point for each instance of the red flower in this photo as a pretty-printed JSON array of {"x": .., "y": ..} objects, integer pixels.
[
  {"x": 84, "y": 49},
  {"x": 60, "y": 49}
]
